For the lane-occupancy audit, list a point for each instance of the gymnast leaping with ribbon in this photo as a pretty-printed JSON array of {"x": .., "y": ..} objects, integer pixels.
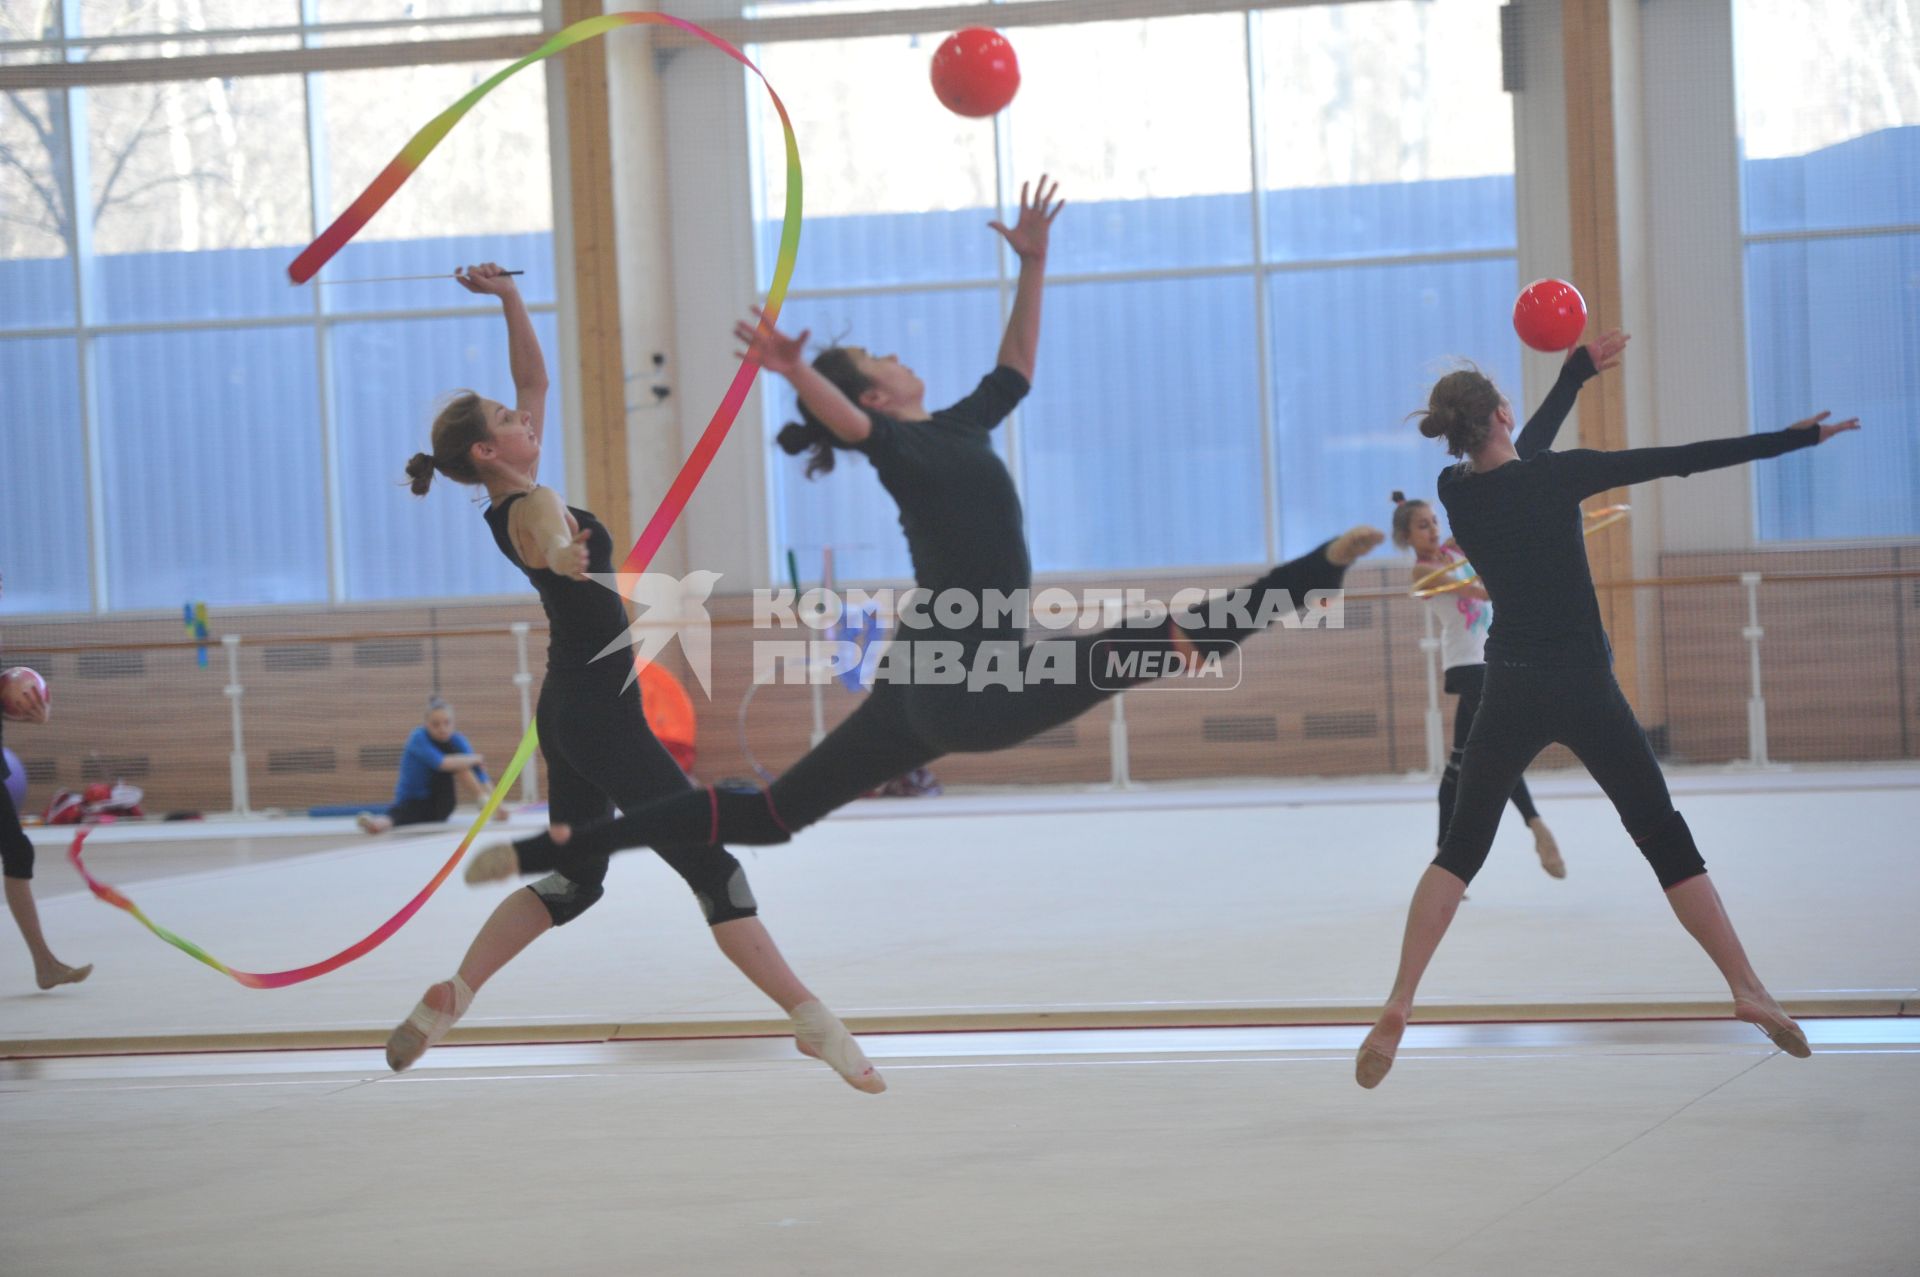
[
  {"x": 963, "y": 522},
  {"x": 594, "y": 737},
  {"x": 598, "y": 747}
]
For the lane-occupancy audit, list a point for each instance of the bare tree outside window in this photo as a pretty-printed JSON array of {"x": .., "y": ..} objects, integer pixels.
[{"x": 1818, "y": 72}]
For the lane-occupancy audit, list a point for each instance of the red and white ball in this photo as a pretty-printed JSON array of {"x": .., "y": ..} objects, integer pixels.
[{"x": 21, "y": 672}]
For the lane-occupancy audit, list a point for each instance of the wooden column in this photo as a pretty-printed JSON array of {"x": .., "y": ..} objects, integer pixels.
[
  {"x": 596, "y": 282},
  {"x": 1594, "y": 213}
]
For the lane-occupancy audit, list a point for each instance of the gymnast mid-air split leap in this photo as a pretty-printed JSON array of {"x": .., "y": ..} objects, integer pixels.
[{"x": 964, "y": 527}]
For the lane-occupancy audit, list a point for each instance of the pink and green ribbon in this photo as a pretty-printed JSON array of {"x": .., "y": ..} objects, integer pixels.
[{"x": 318, "y": 253}]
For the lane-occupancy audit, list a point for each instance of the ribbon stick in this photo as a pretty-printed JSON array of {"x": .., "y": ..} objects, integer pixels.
[
  {"x": 396, "y": 279},
  {"x": 692, "y": 470}
]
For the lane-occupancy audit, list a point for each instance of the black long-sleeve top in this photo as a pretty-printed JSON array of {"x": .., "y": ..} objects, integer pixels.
[
  {"x": 1521, "y": 526},
  {"x": 958, "y": 505}
]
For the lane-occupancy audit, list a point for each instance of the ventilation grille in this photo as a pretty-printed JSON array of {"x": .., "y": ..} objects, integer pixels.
[
  {"x": 1239, "y": 729},
  {"x": 42, "y": 662},
  {"x": 1354, "y": 724},
  {"x": 1359, "y": 615},
  {"x": 112, "y": 664},
  {"x": 112, "y": 768},
  {"x": 291, "y": 657},
  {"x": 292, "y": 762},
  {"x": 389, "y": 653},
  {"x": 380, "y": 758},
  {"x": 1916, "y": 594},
  {"x": 40, "y": 771},
  {"x": 1064, "y": 737}
]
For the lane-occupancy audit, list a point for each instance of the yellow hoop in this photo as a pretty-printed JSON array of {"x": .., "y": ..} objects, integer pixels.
[
  {"x": 1604, "y": 517},
  {"x": 1420, "y": 590}
]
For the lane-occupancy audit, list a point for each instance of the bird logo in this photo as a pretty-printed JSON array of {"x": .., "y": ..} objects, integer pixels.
[{"x": 666, "y": 607}]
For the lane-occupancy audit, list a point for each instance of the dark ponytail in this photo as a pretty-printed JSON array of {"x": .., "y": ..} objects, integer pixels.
[
  {"x": 835, "y": 363},
  {"x": 797, "y": 437},
  {"x": 1403, "y": 512},
  {"x": 460, "y": 423},
  {"x": 1460, "y": 410},
  {"x": 419, "y": 473}
]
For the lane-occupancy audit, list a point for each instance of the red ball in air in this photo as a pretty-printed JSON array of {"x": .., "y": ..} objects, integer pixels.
[
  {"x": 1550, "y": 314},
  {"x": 975, "y": 73}
]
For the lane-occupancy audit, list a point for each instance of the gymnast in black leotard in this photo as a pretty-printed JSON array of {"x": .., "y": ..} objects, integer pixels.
[
  {"x": 1514, "y": 506},
  {"x": 964, "y": 526},
  {"x": 595, "y": 740}
]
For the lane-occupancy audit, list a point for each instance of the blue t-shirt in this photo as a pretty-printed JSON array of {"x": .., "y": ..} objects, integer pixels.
[{"x": 420, "y": 764}]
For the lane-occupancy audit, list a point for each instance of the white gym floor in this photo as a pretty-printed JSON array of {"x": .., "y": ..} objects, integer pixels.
[{"x": 1654, "y": 1136}]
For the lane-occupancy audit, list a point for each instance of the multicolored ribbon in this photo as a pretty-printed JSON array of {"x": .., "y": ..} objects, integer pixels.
[
  {"x": 366, "y": 944},
  {"x": 692, "y": 470},
  {"x": 194, "y": 617}
]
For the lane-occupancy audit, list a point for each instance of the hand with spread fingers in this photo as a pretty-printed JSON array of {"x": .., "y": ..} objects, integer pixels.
[{"x": 1030, "y": 231}]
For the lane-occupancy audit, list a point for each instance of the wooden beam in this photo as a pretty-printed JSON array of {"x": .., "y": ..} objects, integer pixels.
[
  {"x": 596, "y": 282},
  {"x": 1593, "y": 201}
]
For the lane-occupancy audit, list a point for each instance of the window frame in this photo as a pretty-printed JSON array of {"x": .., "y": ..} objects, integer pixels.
[
  {"x": 74, "y": 79},
  {"x": 1257, "y": 270}
]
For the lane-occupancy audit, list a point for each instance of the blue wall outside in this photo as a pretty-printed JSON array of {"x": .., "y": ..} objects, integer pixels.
[{"x": 1139, "y": 448}]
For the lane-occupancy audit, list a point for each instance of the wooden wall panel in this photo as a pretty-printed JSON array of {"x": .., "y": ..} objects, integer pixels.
[
  {"x": 1593, "y": 203},
  {"x": 1840, "y": 661}
]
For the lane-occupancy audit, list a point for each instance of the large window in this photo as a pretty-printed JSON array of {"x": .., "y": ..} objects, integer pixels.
[
  {"x": 1280, "y": 225},
  {"x": 197, "y": 429},
  {"x": 1830, "y": 168}
]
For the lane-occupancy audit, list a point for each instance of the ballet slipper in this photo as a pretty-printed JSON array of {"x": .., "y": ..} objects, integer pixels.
[
  {"x": 1376, "y": 1053},
  {"x": 372, "y": 824},
  {"x": 492, "y": 864},
  {"x": 819, "y": 1033},
  {"x": 1353, "y": 544},
  {"x": 1773, "y": 1021},
  {"x": 62, "y": 974},
  {"x": 1547, "y": 849},
  {"x": 426, "y": 1026}
]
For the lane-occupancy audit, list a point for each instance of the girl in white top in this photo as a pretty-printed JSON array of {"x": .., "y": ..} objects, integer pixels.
[{"x": 1462, "y": 616}]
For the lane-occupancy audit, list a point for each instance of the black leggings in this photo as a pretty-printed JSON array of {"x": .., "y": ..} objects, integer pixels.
[
  {"x": 1526, "y": 708},
  {"x": 16, "y": 849},
  {"x": 1466, "y": 681},
  {"x": 600, "y": 753},
  {"x": 434, "y": 808},
  {"x": 903, "y": 726}
]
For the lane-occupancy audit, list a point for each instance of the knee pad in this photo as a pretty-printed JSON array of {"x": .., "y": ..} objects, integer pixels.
[
  {"x": 1454, "y": 759},
  {"x": 1670, "y": 849},
  {"x": 564, "y": 898},
  {"x": 721, "y": 888},
  {"x": 716, "y": 879}
]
